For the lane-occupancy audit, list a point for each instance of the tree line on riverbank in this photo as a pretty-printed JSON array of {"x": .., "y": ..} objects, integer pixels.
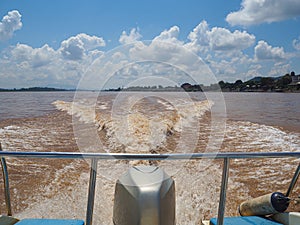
[
  {"x": 31, "y": 89},
  {"x": 286, "y": 83}
]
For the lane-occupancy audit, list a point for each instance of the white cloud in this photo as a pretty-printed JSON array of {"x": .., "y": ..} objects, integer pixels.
[
  {"x": 199, "y": 38},
  {"x": 224, "y": 51},
  {"x": 162, "y": 48},
  {"x": 34, "y": 57},
  {"x": 76, "y": 47},
  {"x": 224, "y": 40},
  {"x": 170, "y": 35},
  {"x": 296, "y": 44},
  {"x": 218, "y": 39},
  {"x": 133, "y": 36},
  {"x": 279, "y": 68},
  {"x": 264, "y": 11},
  {"x": 254, "y": 70},
  {"x": 263, "y": 51},
  {"x": 224, "y": 46},
  {"x": 23, "y": 65},
  {"x": 9, "y": 24},
  {"x": 159, "y": 57},
  {"x": 223, "y": 67}
]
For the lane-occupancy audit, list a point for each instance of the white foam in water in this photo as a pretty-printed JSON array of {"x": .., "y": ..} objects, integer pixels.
[
  {"x": 86, "y": 113},
  {"x": 134, "y": 130},
  {"x": 20, "y": 138},
  {"x": 9, "y": 130},
  {"x": 245, "y": 136}
]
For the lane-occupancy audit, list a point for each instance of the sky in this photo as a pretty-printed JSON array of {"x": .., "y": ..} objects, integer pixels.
[{"x": 61, "y": 43}]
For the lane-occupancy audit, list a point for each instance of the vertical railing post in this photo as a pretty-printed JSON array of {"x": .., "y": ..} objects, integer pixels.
[
  {"x": 293, "y": 181},
  {"x": 6, "y": 184},
  {"x": 91, "y": 195},
  {"x": 221, "y": 211}
]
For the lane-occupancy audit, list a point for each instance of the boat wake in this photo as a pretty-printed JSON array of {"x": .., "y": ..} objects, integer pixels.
[{"x": 140, "y": 129}]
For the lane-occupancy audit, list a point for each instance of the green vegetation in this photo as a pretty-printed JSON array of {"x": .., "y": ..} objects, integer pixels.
[
  {"x": 32, "y": 89},
  {"x": 286, "y": 83}
]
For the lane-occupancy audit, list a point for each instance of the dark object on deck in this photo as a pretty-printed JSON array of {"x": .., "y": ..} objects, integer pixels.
[{"x": 272, "y": 203}]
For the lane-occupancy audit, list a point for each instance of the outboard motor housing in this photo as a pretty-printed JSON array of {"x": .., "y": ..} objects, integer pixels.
[{"x": 144, "y": 195}]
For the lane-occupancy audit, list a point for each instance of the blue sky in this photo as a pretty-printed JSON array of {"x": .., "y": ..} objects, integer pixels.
[{"x": 53, "y": 43}]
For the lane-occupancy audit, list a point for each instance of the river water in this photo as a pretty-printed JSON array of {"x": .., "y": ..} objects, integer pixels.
[{"x": 146, "y": 123}]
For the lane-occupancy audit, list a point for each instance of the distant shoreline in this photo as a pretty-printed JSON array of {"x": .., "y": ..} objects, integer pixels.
[
  {"x": 35, "y": 89},
  {"x": 45, "y": 89},
  {"x": 289, "y": 83}
]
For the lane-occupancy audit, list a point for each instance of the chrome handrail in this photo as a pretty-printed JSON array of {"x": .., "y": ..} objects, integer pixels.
[
  {"x": 131, "y": 156},
  {"x": 293, "y": 181},
  {"x": 6, "y": 183},
  {"x": 95, "y": 157}
]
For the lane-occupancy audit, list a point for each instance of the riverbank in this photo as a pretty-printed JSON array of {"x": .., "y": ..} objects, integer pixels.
[{"x": 47, "y": 89}]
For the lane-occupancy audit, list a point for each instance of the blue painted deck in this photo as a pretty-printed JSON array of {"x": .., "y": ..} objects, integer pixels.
[
  {"x": 49, "y": 222},
  {"x": 245, "y": 220}
]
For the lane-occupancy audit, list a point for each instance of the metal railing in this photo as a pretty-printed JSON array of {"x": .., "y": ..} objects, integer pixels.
[
  {"x": 6, "y": 184},
  {"x": 95, "y": 157}
]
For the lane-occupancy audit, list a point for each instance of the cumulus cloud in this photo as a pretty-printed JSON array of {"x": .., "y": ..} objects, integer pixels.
[
  {"x": 263, "y": 51},
  {"x": 264, "y": 11},
  {"x": 170, "y": 35},
  {"x": 159, "y": 49},
  {"x": 164, "y": 56},
  {"x": 33, "y": 57},
  {"x": 279, "y": 68},
  {"x": 199, "y": 38},
  {"x": 296, "y": 44},
  {"x": 9, "y": 24},
  {"x": 162, "y": 59},
  {"x": 133, "y": 36},
  {"x": 223, "y": 67},
  {"x": 218, "y": 39},
  {"x": 164, "y": 47},
  {"x": 22, "y": 65},
  {"x": 217, "y": 42},
  {"x": 76, "y": 47},
  {"x": 222, "y": 39}
]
